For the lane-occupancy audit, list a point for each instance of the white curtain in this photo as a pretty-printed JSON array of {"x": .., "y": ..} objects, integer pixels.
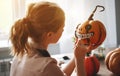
[{"x": 18, "y": 9}]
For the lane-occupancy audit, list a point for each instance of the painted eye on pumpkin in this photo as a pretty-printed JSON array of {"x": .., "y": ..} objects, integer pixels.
[{"x": 88, "y": 27}]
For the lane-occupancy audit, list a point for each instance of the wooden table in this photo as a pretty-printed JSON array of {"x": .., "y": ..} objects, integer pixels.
[{"x": 104, "y": 71}]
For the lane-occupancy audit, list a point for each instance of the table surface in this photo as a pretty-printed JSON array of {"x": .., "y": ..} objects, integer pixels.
[{"x": 103, "y": 71}]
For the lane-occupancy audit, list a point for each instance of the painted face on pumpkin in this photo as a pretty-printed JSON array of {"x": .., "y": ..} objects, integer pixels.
[{"x": 91, "y": 32}]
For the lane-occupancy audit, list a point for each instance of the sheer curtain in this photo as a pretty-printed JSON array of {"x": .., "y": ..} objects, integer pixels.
[
  {"x": 5, "y": 18},
  {"x": 18, "y": 9}
]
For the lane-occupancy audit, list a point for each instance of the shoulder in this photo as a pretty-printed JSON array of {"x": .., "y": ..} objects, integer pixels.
[
  {"x": 43, "y": 60},
  {"x": 49, "y": 67},
  {"x": 52, "y": 69},
  {"x": 43, "y": 66}
]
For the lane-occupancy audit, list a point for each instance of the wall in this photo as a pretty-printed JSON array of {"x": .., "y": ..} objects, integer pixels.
[
  {"x": 54, "y": 49},
  {"x": 5, "y": 53},
  {"x": 111, "y": 40},
  {"x": 79, "y": 11},
  {"x": 117, "y": 7},
  {"x": 4, "y": 49}
]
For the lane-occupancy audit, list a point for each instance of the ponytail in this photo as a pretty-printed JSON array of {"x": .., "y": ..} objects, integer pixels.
[{"x": 19, "y": 36}]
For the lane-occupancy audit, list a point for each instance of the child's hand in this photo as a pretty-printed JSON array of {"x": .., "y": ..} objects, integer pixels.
[{"x": 81, "y": 49}]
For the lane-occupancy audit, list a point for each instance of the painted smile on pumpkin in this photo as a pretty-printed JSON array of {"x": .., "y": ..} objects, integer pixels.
[{"x": 84, "y": 36}]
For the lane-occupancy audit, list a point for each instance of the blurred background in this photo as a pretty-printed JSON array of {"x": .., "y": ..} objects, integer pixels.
[{"x": 76, "y": 11}]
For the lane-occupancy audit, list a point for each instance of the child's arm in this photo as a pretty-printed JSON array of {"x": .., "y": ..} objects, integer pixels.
[
  {"x": 68, "y": 69},
  {"x": 77, "y": 62}
]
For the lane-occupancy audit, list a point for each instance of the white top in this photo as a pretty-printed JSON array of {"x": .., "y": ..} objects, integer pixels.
[{"x": 35, "y": 66}]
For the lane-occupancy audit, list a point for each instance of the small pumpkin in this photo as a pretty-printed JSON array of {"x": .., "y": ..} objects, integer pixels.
[
  {"x": 92, "y": 65},
  {"x": 91, "y": 32},
  {"x": 112, "y": 61}
]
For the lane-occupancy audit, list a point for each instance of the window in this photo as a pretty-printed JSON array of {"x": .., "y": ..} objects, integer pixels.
[
  {"x": 5, "y": 18},
  {"x": 76, "y": 11},
  {"x": 10, "y": 10}
]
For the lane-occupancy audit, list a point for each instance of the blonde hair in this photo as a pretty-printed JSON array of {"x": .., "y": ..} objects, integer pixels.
[{"x": 41, "y": 17}]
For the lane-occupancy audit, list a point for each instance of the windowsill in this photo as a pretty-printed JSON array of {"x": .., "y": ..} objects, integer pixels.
[
  {"x": 4, "y": 44},
  {"x": 4, "y": 40}
]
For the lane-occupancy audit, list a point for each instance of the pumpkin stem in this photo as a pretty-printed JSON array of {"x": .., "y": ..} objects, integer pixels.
[{"x": 90, "y": 17}]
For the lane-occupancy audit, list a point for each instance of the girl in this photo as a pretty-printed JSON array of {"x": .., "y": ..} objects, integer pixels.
[{"x": 30, "y": 37}]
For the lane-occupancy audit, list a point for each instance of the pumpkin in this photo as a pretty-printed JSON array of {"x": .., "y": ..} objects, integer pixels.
[
  {"x": 92, "y": 65},
  {"x": 112, "y": 61},
  {"x": 91, "y": 32}
]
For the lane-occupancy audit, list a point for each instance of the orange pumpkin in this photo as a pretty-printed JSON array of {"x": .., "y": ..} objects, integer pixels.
[
  {"x": 112, "y": 61},
  {"x": 91, "y": 32},
  {"x": 92, "y": 65}
]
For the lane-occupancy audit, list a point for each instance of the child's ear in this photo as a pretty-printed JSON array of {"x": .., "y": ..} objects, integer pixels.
[{"x": 49, "y": 34}]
